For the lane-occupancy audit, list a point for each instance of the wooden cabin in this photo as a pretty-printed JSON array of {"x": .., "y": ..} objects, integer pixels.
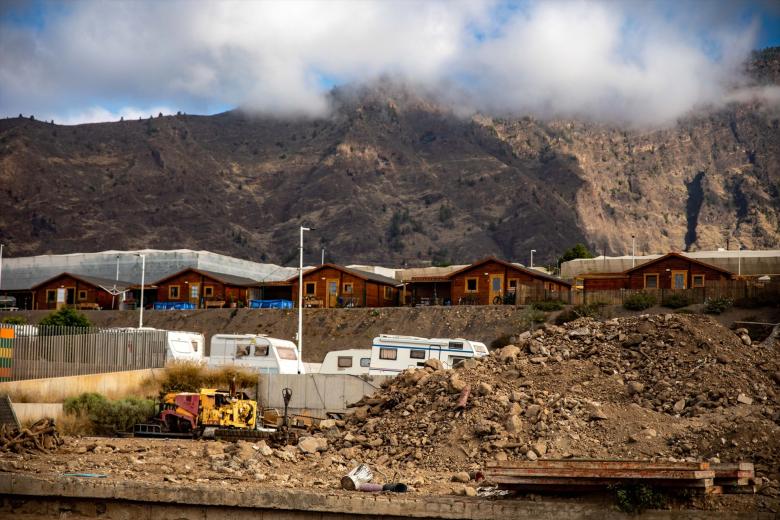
[
  {"x": 482, "y": 282},
  {"x": 671, "y": 271},
  {"x": 333, "y": 286},
  {"x": 79, "y": 291},
  {"x": 206, "y": 289},
  {"x": 485, "y": 282}
]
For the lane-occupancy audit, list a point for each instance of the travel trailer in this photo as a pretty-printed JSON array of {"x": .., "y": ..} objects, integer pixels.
[
  {"x": 391, "y": 354},
  {"x": 184, "y": 346},
  {"x": 355, "y": 361},
  {"x": 256, "y": 352}
]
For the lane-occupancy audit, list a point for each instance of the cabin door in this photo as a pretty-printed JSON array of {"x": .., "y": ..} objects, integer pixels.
[
  {"x": 333, "y": 293},
  {"x": 195, "y": 293},
  {"x": 496, "y": 288}
]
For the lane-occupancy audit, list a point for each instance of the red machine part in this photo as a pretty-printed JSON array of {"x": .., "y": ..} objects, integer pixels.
[{"x": 183, "y": 414}]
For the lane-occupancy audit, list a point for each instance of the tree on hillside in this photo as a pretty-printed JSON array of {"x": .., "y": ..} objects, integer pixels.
[
  {"x": 578, "y": 251},
  {"x": 65, "y": 317}
]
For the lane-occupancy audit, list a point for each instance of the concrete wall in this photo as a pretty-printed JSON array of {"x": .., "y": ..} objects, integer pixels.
[
  {"x": 31, "y": 412},
  {"x": 315, "y": 393},
  {"x": 57, "y": 389}
]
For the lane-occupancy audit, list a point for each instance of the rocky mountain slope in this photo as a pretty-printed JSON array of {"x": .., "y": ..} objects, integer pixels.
[{"x": 393, "y": 177}]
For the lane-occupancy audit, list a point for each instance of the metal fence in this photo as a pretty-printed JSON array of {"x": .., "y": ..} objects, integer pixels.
[
  {"x": 40, "y": 352},
  {"x": 740, "y": 292}
]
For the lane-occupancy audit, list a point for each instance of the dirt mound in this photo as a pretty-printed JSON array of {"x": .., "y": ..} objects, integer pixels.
[{"x": 671, "y": 386}]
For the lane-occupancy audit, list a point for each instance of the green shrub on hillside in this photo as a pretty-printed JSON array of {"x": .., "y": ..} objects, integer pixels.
[
  {"x": 548, "y": 305},
  {"x": 639, "y": 301},
  {"x": 65, "y": 317},
  {"x": 717, "y": 305},
  {"x": 676, "y": 301},
  {"x": 588, "y": 310}
]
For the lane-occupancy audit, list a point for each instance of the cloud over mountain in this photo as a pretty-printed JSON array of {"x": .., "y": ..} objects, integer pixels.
[{"x": 629, "y": 62}]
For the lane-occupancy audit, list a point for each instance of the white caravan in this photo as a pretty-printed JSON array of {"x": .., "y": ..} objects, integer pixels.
[
  {"x": 355, "y": 361},
  {"x": 256, "y": 352},
  {"x": 184, "y": 346},
  {"x": 391, "y": 354}
]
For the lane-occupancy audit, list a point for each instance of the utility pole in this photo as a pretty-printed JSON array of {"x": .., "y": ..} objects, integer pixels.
[
  {"x": 532, "y": 257},
  {"x": 300, "y": 303},
  {"x": 143, "y": 274},
  {"x": 116, "y": 283},
  {"x": 1, "y": 265},
  {"x": 633, "y": 250},
  {"x": 322, "y": 261}
]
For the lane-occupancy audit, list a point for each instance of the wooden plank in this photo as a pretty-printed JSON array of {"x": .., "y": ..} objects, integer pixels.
[
  {"x": 601, "y": 473},
  {"x": 733, "y": 481},
  {"x": 596, "y": 463},
  {"x": 514, "y": 482},
  {"x": 737, "y": 466}
]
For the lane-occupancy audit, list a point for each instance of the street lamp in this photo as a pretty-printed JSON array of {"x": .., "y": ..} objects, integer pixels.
[
  {"x": 143, "y": 273},
  {"x": 633, "y": 257},
  {"x": 1, "y": 266},
  {"x": 532, "y": 257},
  {"x": 116, "y": 282},
  {"x": 300, "y": 302}
]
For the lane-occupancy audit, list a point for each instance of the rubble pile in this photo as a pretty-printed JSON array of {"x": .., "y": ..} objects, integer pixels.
[{"x": 641, "y": 387}]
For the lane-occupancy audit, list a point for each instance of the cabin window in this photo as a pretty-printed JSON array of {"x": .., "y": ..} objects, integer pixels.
[
  {"x": 365, "y": 362},
  {"x": 348, "y": 288},
  {"x": 261, "y": 350},
  {"x": 472, "y": 284},
  {"x": 456, "y": 345},
  {"x": 242, "y": 350},
  {"x": 388, "y": 353},
  {"x": 388, "y": 293},
  {"x": 457, "y": 361},
  {"x": 417, "y": 354},
  {"x": 286, "y": 353},
  {"x": 698, "y": 280},
  {"x": 208, "y": 291},
  {"x": 173, "y": 292},
  {"x": 512, "y": 285},
  {"x": 51, "y": 295},
  {"x": 82, "y": 295},
  {"x": 651, "y": 281},
  {"x": 344, "y": 362},
  {"x": 194, "y": 346},
  {"x": 310, "y": 288}
]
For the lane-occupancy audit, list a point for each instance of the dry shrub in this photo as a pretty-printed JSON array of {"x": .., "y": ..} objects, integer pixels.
[
  {"x": 75, "y": 424},
  {"x": 190, "y": 376}
]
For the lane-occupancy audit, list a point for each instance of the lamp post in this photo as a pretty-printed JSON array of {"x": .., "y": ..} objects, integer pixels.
[
  {"x": 143, "y": 273},
  {"x": 300, "y": 302},
  {"x": 322, "y": 261},
  {"x": 633, "y": 257},
  {"x": 532, "y": 257},
  {"x": 1, "y": 265}
]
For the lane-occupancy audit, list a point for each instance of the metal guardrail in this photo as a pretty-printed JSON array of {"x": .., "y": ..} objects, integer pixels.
[{"x": 52, "y": 351}]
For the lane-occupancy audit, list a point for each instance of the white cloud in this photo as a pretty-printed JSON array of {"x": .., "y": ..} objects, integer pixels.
[{"x": 609, "y": 61}]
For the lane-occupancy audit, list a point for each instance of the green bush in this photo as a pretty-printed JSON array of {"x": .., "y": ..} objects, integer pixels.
[
  {"x": 14, "y": 320},
  {"x": 676, "y": 301},
  {"x": 639, "y": 301},
  {"x": 588, "y": 310},
  {"x": 717, "y": 305},
  {"x": 548, "y": 305},
  {"x": 65, "y": 317},
  {"x": 107, "y": 417},
  {"x": 635, "y": 498}
]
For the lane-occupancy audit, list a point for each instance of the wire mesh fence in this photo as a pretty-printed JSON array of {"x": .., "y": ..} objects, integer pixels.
[
  {"x": 54, "y": 351},
  {"x": 740, "y": 292}
]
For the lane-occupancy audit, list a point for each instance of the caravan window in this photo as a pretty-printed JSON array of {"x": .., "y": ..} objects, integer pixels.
[
  {"x": 456, "y": 345},
  {"x": 286, "y": 353},
  {"x": 242, "y": 350},
  {"x": 345, "y": 361},
  {"x": 417, "y": 354},
  {"x": 261, "y": 350},
  {"x": 388, "y": 353},
  {"x": 457, "y": 361},
  {"x": 194, "y": 346},
  {"x": 365, "y": 362}
]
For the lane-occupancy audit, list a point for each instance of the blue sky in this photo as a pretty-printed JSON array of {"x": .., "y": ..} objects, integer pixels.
[{"x": 643, "y": 62}]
